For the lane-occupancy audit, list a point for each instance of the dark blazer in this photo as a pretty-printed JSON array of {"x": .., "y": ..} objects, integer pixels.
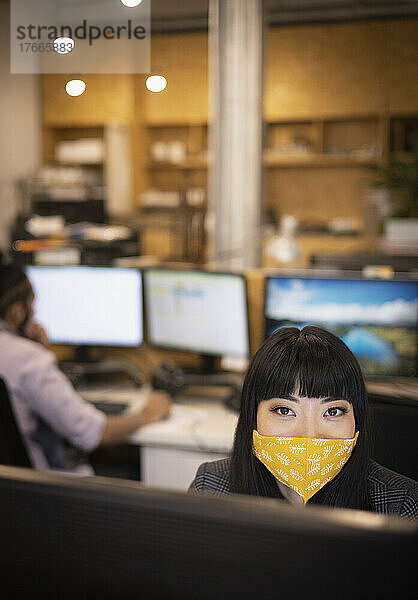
[{"x": 390, "y": 493}]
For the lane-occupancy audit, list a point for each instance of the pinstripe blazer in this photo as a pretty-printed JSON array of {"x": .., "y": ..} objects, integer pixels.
[{"x": 390, "y": 493}]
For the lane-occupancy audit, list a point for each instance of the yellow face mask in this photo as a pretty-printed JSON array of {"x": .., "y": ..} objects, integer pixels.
[{"x": 303, "y": 464}]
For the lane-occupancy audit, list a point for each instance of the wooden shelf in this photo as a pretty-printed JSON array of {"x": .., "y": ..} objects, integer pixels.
[
  {"x": 189, "y": 163},
  {"x": 316, "y": 160},
  {"x": 172, "y": 124}
]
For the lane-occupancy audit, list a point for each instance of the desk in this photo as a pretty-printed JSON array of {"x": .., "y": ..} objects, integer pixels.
[
  {"x": 197, "y": 431},
  {"x": 402, "y": 389},
  {"x": 201, "y": 430}
]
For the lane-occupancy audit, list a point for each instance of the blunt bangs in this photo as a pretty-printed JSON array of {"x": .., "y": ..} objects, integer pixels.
[{"x": 301, "y": 362}]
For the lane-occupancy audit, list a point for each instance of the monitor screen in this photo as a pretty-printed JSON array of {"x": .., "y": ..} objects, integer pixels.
[
  {"x": 197, "y": 311},
  {"x": 377, "y": 319},
  {"x": 95, "y": 537},
  {"x": 80, "y": 305}
]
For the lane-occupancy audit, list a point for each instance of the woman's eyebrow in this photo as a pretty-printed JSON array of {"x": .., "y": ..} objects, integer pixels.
[
  {"x": 333, "y": 399},
  {"x": 288, "y": 397}
]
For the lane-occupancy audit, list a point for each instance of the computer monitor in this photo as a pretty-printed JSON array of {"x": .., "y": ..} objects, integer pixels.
[
  {"x": 89, "y": 306},
  {"x": 197, "y": 311},
  {"x": 73, "y": 537},
  {"x": 377, "y": 319}
]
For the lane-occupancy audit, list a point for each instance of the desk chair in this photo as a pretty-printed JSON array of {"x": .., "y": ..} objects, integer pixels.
[
  {"x": 395, "y": 426},
  {"x": 12, "y": 448}
]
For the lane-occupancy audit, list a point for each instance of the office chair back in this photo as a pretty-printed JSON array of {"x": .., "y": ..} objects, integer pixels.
[
  {"x": 12, "y": 448},
  {"x": 395, "y": 425}
]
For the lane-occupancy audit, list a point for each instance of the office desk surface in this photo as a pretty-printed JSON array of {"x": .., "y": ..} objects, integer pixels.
[
  {"x": 198, "y": 424},
  {"x": 392, "y": 389}
]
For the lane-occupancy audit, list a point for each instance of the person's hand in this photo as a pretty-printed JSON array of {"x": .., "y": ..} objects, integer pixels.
[
  {"x": 157, "y": 408},
  {"x": 36, "y": 333}
]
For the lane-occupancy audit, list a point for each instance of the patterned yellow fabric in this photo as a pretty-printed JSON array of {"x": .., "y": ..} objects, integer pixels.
[{"x": 303, "y": 464}]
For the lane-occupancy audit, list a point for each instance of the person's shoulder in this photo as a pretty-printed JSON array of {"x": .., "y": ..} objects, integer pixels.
[
  {"x": 30, "y": 350},
  {"x": 21, "y": 342},
  {"x": 212, "y": 477},
  {"x": 391, "y": 492},
  {"x": 24, "y": 357}
]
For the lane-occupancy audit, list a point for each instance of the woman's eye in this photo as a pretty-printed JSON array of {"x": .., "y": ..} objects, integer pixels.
[
  {"x": 284, "y": 411},
  {"x": 334, "y": 412}
]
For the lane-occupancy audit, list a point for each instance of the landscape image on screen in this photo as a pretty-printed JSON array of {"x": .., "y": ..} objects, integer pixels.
[{"x": 376, "y": 319}]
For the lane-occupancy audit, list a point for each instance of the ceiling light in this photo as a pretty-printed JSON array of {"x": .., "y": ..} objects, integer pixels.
[
  {"x": 131, "y": 3},
  {"x": 156, "y": 83},
  {"x": 75, "y": 87}
]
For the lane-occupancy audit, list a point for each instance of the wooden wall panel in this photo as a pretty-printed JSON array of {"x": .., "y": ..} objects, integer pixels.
[
  {"x": 354, "y": 62},
  {"x": 402, "y": 69},
  {"x": 317, "y": 194},
  {"x": 107, "y": 97},
  {"x": 183, "y": 60},
  {"x": 341, "y": 69},
  {"x": 293, "y": 73}
]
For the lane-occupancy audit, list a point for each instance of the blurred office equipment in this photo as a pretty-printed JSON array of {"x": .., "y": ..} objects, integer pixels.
[
  {"x": 12, "y": 448},
  {"x": 50, "y": 240},
  {"x": 197, "y": 311},
  {"x": 69, "y": 537},
  {"x": 173, "y": 205},
  {"x": 87, "y": 151},
  {"x": 356, "y": 262},
  {"x": 377, "y": 319},
  {"x": 101, "y": 244},
  {"x": 180, "y": 214},
  {"x": 75, "y": 192},
  {"x": 76, "y": 203},
  {"x": 401, "y": 236},
  {"x": 101, "y": 156},
  {"x": 175, "y": 380},
  {"x": 90, "y": 306},
  {"x": 283, "y": 246}
]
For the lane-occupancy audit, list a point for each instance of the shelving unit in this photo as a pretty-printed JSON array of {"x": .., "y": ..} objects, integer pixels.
[
  {"x": 53, "y": 135},
  {"x": 177, "y": 162},
  {"x": 402, "y": 133},
  {"x": 321, "y": 167},
  {"x": 180, "y": 146},
  {"x": 348, "y": 141},
  {"x": 270, "y": 159}
]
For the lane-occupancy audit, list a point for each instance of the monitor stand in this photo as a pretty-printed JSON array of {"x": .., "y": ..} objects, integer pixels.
[
  {"x": 85, "y": 367},
  {"x": 174, "y": 380},
  {"x": 207, "y": 364}
]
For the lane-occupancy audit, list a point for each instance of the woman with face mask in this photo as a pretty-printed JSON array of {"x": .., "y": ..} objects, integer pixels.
[{"x": 303, "y": 432}]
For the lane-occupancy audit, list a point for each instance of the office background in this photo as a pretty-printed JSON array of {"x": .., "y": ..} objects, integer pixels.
[{"x": 124, "y": 176}]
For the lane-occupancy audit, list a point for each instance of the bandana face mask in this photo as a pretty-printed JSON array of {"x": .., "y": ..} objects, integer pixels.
[{"x": 303, "y": 464}]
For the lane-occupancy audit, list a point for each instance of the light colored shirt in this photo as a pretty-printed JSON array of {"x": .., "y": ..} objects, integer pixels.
[{"x": 50, "y": 414}]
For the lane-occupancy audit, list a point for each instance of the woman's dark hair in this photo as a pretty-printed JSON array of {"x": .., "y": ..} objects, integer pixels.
[
  {"x": 313, "y": 363},
  {"x": 14, "y": 286}
]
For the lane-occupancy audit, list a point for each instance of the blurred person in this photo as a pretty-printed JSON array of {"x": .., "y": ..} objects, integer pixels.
[
  {"x": 59, "y": 428},
  {"x": 303, "y": 432}
]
